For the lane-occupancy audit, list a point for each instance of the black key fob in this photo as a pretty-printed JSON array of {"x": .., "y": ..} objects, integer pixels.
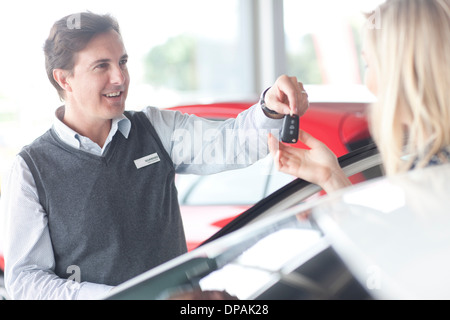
[{"x": 289, "y": 131}]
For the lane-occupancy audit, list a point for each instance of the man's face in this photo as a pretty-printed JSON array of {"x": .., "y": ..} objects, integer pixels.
[{"x": 99, "y": 82}]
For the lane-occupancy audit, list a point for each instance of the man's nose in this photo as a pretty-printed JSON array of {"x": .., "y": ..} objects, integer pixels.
[{"x": 117, "y": 76}]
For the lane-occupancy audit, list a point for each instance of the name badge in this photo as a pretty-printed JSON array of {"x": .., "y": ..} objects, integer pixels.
[{"x": 147, "y": 160}]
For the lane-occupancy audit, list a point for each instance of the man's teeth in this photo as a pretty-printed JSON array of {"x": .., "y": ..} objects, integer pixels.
[{"x": 113, "y": 94}]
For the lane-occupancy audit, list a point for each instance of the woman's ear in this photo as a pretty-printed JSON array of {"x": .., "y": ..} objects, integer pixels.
[{"x": 62, "y": 78}]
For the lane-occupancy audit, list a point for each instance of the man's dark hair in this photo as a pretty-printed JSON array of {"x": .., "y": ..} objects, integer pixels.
[{"x": 70, "y": 35}]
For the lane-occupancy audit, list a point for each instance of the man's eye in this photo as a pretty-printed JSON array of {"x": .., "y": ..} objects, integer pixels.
[
  {"x": 123, "y": 62},
  {"x": 101, "y": 66}
]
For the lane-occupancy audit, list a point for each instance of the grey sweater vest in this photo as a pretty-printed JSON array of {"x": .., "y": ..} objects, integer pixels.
[{"x": 106, "y": 217}]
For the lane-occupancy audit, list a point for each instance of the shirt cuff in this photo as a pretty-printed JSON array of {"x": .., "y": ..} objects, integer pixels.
[
  {"x": 93, "y": 291},
  {"x": 264, "y": 121}
]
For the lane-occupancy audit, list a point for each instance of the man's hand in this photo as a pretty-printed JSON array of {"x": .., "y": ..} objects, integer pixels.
[{"x": 287, "y": 96}]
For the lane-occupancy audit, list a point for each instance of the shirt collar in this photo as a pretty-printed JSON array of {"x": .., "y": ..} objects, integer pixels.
[{"x": 71, "y": 137}]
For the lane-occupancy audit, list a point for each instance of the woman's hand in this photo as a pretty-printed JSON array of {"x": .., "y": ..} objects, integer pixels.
[{"x": 317, "y": 165}]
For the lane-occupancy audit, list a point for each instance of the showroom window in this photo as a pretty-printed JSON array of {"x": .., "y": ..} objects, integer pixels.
[
  {"x": 323, "y": 41},
  {"x": 179, "y": 51},
  {"x": 182, "y": 52}
]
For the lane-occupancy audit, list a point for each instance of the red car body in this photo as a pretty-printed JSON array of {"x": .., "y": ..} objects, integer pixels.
[{"x": 342, "y": 127}]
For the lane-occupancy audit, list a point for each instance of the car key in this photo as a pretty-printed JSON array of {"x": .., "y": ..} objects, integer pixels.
[{"x": 289, "y": 131}]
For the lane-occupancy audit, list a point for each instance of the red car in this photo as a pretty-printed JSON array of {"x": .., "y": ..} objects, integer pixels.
[{"x": 209, "y": 202}]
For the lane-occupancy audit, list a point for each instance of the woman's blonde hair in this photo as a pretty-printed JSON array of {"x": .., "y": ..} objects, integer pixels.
[{"x": 412, "y": 114}]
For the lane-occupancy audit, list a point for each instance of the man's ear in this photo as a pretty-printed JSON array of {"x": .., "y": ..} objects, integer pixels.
[{"x": 62, "y": 78}]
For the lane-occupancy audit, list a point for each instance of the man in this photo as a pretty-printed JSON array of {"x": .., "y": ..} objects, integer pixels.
[{"x": 93, "y": 200}]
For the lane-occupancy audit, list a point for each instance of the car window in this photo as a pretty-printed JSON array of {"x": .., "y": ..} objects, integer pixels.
[
  {"x": 360, "y": 165},
  {"x": 236, "y": 187},
  {"x": 276, "y": 180}
]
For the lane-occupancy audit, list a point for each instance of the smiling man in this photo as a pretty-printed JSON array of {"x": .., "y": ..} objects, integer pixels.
[
  {"x": 96, "y": 87},
  {"x": 92, "y": 202}
]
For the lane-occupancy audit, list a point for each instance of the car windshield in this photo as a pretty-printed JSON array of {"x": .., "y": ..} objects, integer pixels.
[
  {"x": 234, "y": 187},
  {"x": 258, "y": 255}
]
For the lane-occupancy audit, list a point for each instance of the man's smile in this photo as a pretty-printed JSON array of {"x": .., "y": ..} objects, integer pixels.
[{"x": 113, "y": 94}]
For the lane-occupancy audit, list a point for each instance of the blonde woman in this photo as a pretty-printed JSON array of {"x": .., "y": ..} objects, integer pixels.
[{"x": 408, "y": 69}]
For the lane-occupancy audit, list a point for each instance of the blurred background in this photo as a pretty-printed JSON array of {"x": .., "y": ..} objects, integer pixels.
[{"x": 183, "y": 52}]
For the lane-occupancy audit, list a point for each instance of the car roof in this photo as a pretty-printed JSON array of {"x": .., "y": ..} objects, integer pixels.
[
  {"x": 335, "y": 123},
  {"x": 225, "y": 110}
]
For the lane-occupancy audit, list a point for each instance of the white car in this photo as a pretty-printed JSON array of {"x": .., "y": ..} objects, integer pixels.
[{"x": 386, "y": 238}]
